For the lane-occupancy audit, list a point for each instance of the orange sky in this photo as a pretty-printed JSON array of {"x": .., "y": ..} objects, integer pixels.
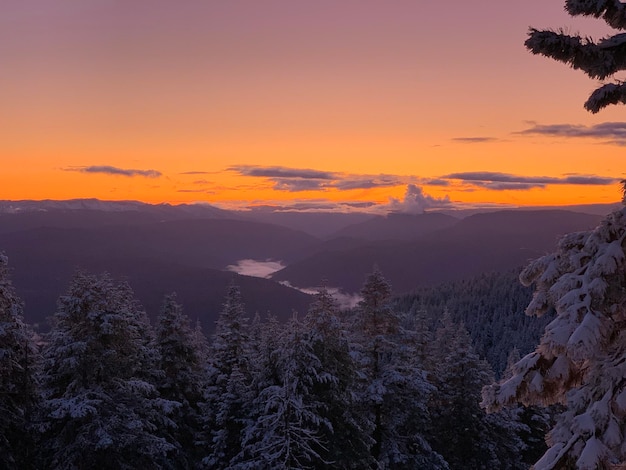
[{"x": 236, "y": 103}]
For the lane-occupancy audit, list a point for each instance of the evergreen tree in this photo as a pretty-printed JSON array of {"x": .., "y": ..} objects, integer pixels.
[
  {"x": 459, "y": 431},
  {"x": 394, "y": 390},
  {"x": 18, "y": 388},
  {"x": 289, "y": 428},
  {"x": 346, "y": 440},
  {"x": 580, "y": 360},
  {"x": 599, "y": 60},
  {"x": 229, "y": 391},
  {"x": 184, "y": 376},
  {"x": 100, "y": 404}
]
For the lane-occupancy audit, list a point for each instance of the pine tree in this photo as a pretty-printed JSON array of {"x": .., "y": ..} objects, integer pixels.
[
  {"x": 394, "y": 390},
  {"x": 184, "y": 376},
  {"x": 101, "y": 406},
  {"x": 346, "y": 439},
  {"x": 288, "y": 429},
  {"x": 580, "y": 360},
  {"x": 230, "y": 389},
  {"x": 459, "y": 431},
  {"x": 18, "y": 387},
  {"x": 599, "y": 60}
]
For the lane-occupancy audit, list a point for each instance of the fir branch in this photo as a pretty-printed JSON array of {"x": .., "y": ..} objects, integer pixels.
[
  {"x": 611, "y": 11},
  {"x": 611, "y": 93},
  {"x": 596, "y": 60}
]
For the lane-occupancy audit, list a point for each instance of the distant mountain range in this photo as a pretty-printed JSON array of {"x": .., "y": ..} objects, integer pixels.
[
  {"x": 490, "y": 242},
  {"x": 187, "y": 248}
]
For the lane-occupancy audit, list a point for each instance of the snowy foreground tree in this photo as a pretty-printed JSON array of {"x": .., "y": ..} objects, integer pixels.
[
  {"x": 101, "y": 408},
  {"x": 600, "y": 60},
  {"x": 581, "y": 360},
  {"x": 18, "y": 393}
]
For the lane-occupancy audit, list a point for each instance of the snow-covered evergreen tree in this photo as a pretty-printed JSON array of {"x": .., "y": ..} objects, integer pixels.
[
  {"x": 229, "y": 392},
  {"x": 288, "y": 429},
  {"x": 598, "y": 59},
  {"x": 581, "y": 360},
  {"x": 18, "y": 388},
  {"x": 101, "y": 406},
  {"x": 394, "y": 389},
  {"x": 346, "y": 439},
  {"x": 184, "y": 376},
  {"x": 459, "y": 430}
]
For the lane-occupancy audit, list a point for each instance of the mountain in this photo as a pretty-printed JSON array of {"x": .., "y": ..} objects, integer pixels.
[
  {"x": 490, "y": 242},
  {"x": 158, "y": 248},
  {"x": 398, "y": 226},
  {"x": 318, "y": 224}
]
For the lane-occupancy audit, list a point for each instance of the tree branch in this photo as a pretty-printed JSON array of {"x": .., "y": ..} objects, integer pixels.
[
  {"x": 611, "y": 93},
  {"x": 599, "y": 60},
  {"x": 611, "y": 11}
]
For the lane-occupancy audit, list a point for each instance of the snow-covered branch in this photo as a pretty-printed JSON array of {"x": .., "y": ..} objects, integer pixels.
[
  {"x": 611, "y": 93},
  {"x": 598, "y": 60},
  {"x": 611, "y": 11}
]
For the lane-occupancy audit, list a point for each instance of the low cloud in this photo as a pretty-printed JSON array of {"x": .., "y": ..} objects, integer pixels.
[
  {"x": 416, "y": 201},
  {"x": 255, "y": 268},
  {"x": 613, "y": 132},
  {"x": 344, "y": 300},
  {"x": 116, "y": 171}
]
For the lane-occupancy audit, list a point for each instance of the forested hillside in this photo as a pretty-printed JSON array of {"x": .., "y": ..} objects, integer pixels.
[
  {"x": 373, "y": 387},
  {"x": 491, "y": 306}
]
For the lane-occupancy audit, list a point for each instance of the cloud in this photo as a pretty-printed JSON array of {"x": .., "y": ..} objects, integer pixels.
[
  {"x": 506, "y": 181},
  {"x": 416, "y": 201},
  {"x": 115, "y": 171},
  {"x": 295, "y": 179},
  {"x": 295, "y": 184},
  {"x": 437, "y": 182},
  {"x": 615, "y": 132},
  {"x": 195, "y": 173},
  {"x": 474, "y": 140},
  {"x": 279, "y": 172},
  {"x": 344, "y": 300},
  {"x": 368, "y": 183},
  {"x": 251, "y": 267},
  {"x": 194, "y": 191}
]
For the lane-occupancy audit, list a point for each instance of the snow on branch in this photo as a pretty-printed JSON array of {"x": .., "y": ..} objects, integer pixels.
[
  {"x": 580, "y": 360},
  {"x": 611, "y": 93},
  {"x": 611, "y": 11},
  {"x": 598, "y": 60}
]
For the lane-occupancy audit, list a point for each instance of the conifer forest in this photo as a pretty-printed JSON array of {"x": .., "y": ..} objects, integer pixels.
[{"x": 395, "y": 382}]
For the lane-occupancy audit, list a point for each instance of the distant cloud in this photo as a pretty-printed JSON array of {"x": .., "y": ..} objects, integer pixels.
[
  {"x": 615, "y": 132},
  {"x": 474, "y": 140},
  {"x": 437, "y": 182},
  {"x": 282, "y": 172},
  {"x": 367, "y": 183},
  {"x": 194, "y": 191},
  {"x": 196, "y": 173},
  {"x": 112, "y": 170},
  {"x": 295, "y": 185},
  {"x": 416, "y": 201},
  {"x": 295, "y": 179},
  {"x": 506, "y": 181}
]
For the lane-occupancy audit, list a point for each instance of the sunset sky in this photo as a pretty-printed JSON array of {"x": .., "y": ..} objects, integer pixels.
[{"x": 401, "y": 104}]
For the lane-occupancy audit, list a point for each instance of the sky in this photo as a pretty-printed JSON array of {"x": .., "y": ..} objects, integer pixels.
[{"x": 337, "y": 105}]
